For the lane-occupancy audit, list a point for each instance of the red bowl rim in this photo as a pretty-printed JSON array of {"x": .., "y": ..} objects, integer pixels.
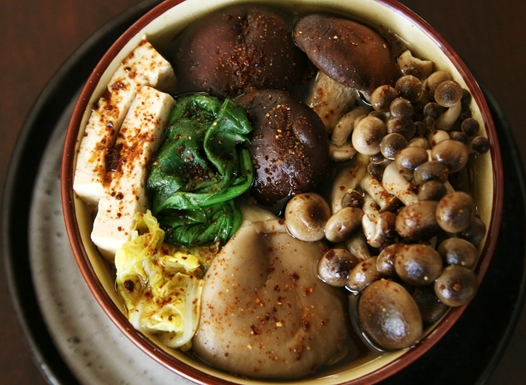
[{"x": 192, "y": 373}]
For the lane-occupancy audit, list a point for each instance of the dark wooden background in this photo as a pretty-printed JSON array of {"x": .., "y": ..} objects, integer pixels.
[{"x": 36, "y": 37}]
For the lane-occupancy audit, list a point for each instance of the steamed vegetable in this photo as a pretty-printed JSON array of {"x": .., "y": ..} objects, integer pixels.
[
  {"x": 161, "y": 286},
  {"x": 201, "y": 167}
]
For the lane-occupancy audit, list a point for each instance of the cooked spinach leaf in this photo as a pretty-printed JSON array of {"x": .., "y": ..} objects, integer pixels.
[{"x": 200, "y": 168}]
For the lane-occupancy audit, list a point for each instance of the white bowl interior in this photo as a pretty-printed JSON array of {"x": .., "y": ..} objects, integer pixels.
[{"x": 161, "y": 30}]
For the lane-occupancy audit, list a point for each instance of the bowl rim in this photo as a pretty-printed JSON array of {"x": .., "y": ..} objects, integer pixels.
[{"x": 187, "y": 371}]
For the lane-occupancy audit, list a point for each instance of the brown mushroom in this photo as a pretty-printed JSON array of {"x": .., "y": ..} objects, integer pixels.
[
  {"x": 342, "y": 224},
  {"x": 368, "y": 134},
  {"x": 306, "y": 216},
  {"x": 389, "y": 315},
  {"x": 289, "y": 145},
  {"x": 455, "y": 211},
  {"x": 448, "y": 94},
  {"x": 453, "y": 154},
  {"x": 362, "y": 275},
  {"x": 418, "y": 221},
  {"x": 348, "y": 52},
  {"x": 456, "y": 286},
  {"x": 239, "y": 47},
  {"x": 418, "y": 264},
  {"x": 334, "y": 266},
  {"x": 458, "y": 251}
]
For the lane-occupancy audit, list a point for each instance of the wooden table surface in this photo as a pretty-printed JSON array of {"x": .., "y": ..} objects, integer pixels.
[{"x": 38, "y": 36}]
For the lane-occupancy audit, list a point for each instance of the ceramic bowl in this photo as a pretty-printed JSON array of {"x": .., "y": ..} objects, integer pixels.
[{"x": 164, "y": 22}]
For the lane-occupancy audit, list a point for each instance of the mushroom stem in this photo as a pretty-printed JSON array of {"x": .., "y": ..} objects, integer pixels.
[
  {"x": 448, "y": 117},
  {"x": 377, "y": 227},
  {"x": 329, "y": 99},
  {"x": 347, "y": 180},
  {"x": 340, "y": 147},
  {"x": 396, "y": 184},
  {"x": 410, "y": 65},
  {"x": 375, "y": 189}
]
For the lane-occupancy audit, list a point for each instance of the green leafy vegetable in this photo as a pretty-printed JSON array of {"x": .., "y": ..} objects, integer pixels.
[{"x": 201, "y": 167}]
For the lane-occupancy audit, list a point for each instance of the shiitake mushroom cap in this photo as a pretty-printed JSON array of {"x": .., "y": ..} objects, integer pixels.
[
  {"x": 289, "y": 145},
  {"x": 330, "y": 41},
  {"x": 239, "y": 47}
]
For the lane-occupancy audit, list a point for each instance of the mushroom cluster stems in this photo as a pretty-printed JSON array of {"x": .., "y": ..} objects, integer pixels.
[
  {"x": 347, "y": 179},
  {"x": 330, "y": 100},
  {"x": 341, "y": 149},
  {"x": 376, "y": 226},
  {"x": 376, "y": 190},
  {"x": 448, "y": 117},
  {"x": 410, "y": 65},
  {"x": 397, "y": 185}
]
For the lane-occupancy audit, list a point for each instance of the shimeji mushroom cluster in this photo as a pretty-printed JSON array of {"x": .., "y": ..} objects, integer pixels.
[{"x": 401, "y": 223}]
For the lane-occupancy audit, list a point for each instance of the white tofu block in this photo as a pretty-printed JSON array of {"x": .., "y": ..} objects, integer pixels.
[
  {"x": 140, "y": 136},
  {"x": 144, "y": 66}
]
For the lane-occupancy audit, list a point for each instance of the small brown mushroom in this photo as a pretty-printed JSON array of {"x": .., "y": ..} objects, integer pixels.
[
  {"x": 385, "y": 263},
  {"x": 334, "y": 266},
  {"x": 389, "y": 315},
  {"x": 382, "y": 97},
  {"x": 409, "y": 87},
  {"x": 368, "y": 134},
  {"x": 429, "y": 305},
  {"x": 458, "y": 251},
  {"x": 362, "y": 275},
  {"x": 432, "y": 190},
  {"x": 470, "y": 127},
  {"x": 455, "y": 211},
  {"x": 448, "y": 94},
  {"x": 378, "y": 227},
  {"x": 432, "y": 82},
  {"x": 480, "y": 144},
  {"x": 402, "y": 125},
  {"x": 392, "y": 144},
  {"x": 432, "y": 170},
  {"x": 453, "y": 154},
  {"x": 341, "y": 225},
  {"x": 418, "y": 264},
  {"x": 475, "y": 232},
  {"x": 456, "y": 286},
  {"x": 408, "y": 159},
  {"x": 306, "y": 215},
  {"x": 418, "y": 221},
  {"x": 352, "y": 198}
]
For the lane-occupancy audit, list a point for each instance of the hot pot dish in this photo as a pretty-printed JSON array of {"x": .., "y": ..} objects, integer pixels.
[{"x": 259, "y": 192}]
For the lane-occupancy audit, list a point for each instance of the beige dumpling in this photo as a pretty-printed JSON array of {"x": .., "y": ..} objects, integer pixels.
[{"x": 264, "y": 311}]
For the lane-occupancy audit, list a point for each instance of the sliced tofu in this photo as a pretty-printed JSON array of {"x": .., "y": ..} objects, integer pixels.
[
  {"x": 144, "y": 66},
  {"x": 138, "y": 139}
]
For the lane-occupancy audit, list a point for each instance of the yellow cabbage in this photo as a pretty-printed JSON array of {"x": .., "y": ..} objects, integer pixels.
[{"x": 161, "y": 285}]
